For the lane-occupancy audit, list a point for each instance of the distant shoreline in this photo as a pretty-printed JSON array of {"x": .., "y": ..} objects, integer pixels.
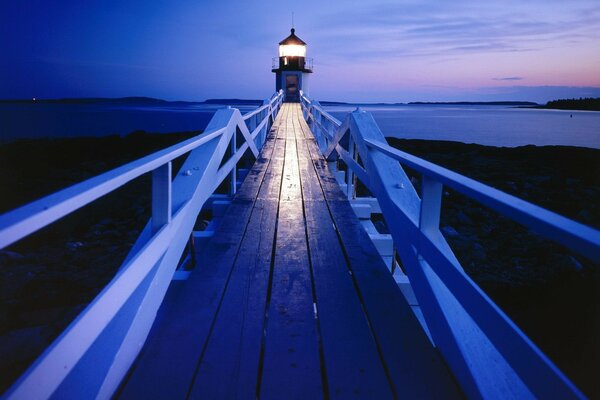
[
  {"x": 436, "y": 103},
  {"x": 128, "y": 100},
  {"x": 587, "y": 104},
  {"x": 574, "y": 108},
  {"x": 590, "y": 104},
  {"x": 155, "y": 101},
  {"x": 477, "y": 103}
]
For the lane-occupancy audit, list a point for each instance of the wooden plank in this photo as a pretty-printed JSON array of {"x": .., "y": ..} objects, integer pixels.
[
  {"x": 255, "y": 176},
  {"x": 291, "y": 367},
  {"x": 414, "y": 366},
  {"x": 230, "y": 364},
  {"x": 272, "y": 192},
  {"x": 262, "y": 168},
  {"x": 179, "y": 339},
  {"x": 352, "y": 362},
  {"x": 229, "y": 367},
  {"x": 215, "y": 335}
]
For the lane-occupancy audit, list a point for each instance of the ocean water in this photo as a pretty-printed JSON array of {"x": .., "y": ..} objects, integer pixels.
[
  {"x": 487, "y": 125},
  {"x": 38, "y": 120}
]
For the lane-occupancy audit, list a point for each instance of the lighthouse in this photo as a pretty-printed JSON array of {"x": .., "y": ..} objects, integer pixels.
[{"x": 292, "y": 68}]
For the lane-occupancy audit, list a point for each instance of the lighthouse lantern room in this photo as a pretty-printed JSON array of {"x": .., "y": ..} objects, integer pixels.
[{"x": 292, "y": 68}]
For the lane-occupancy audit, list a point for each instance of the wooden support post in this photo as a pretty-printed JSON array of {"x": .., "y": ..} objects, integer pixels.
[
  {"x": 332, "y": 165},
  {"x": 355, "y": 175},
  {"x": 192, "y": 250},
  {"x": 431, "y": 204},
  {"x": 161, "y": 196},
  {"x": 233, "y": 175},
  {"x": 262, "y": 136},
  {"x": 349, "y": 172}
]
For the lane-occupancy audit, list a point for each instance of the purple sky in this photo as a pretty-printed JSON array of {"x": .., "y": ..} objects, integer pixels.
[{"x": 364, "y": 51}]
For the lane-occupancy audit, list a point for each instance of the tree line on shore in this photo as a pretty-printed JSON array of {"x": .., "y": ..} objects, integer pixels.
[{"x": 588, "y": 104}]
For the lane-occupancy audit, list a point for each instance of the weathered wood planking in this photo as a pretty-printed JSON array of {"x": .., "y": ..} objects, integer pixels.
[
  {"x": 167, "y": 364},
  {"x": 291, "y": 300},
  {"x": 229, "y": 367},
  {"x": 291, "y": 366},
  {"x": 352, "y": 362},
  {"x": 412, "y": 362}
]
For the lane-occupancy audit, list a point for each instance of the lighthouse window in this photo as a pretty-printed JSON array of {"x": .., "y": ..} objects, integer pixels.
[
  {"x": 292, "y": 50},
  {"x": 284, "y": 60}
]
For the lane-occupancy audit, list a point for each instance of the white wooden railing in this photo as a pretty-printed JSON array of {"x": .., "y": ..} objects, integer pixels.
[
  {"x": 490, "y": 356},
  {"x": 89, "y": 359}
]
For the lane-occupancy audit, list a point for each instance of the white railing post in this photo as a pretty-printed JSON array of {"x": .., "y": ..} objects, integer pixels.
[
  {"x": 233, "y": 175},
  {"x": 161, "y": 196},
  {"x": 431, "y": 204},
  {"x": 349, "y": 172},
  {"x": 487, "y": 353},
  {"x": 92, "y": 355},
  {"x": 266, "y": 114}
]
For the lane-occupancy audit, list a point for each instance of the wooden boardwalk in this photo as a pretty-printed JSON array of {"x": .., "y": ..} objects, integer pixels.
[{"x": 289, "y": 300}]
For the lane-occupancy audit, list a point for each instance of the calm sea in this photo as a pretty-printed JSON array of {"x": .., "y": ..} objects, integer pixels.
[
  {"x": 38, "y": 120},
  {"x": 487, "y": 125}
]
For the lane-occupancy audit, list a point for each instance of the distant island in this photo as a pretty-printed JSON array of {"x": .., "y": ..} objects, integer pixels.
[
  {"x": 90, "y": 100},
  {"x": 584, "y": 104},
  {"x": 477, "y": 103},
  {"x": 233, "y": 101},
  {"x": 453, "y": 103},
  {"x": 130, "y": 100}
]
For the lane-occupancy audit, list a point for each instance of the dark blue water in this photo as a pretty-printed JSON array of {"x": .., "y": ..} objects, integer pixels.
[
  {"x": 488, "y": 125},
  {"x": 37, "y": 120}
]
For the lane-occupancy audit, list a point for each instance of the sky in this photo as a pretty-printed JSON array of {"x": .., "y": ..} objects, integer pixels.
[{"x": 364, "y": 51}]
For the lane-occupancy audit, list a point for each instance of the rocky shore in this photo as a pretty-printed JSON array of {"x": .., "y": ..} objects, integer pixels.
[
  {"x": 548, "y": 291},
  {"x": 552, "y": 294},
  {"x": 48, "y": 278}
]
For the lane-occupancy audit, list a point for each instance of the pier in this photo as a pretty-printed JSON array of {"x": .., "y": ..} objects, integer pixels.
[
  {"x": 293, "y": 301},
  {"x": 290, "y": 291}
]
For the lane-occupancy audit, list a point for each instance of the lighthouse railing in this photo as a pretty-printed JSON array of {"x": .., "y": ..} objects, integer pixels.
[
  {"x": 93, "y": 354},
  {"x": 308, "y": 63},
  {"x": 490, "y": 356}
]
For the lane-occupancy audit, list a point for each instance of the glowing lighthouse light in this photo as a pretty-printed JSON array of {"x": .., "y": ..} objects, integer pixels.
[
  {"x": 292, "y": 50},
  {"x": 292, "y": 46},
  {"x": 292, "y": 68}
]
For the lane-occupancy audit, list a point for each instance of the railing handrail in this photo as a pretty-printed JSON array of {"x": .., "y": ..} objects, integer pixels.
[
  {"x": 252, "y": 113},
  {"x": 321, "y": 110},
  {"x": 308, "y": 62},
  {"x": 472, "y": 333},
  {"x": 574, "y": 235},
  {"x": 22, "y": 221},
  {"x": 127, "y": 305}
]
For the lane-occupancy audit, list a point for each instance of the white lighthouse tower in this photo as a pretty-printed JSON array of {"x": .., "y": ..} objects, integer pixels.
[{"x": 292, "y": 68}]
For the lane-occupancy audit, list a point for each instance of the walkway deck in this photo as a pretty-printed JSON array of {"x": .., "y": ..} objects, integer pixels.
[{"x": 290, "y": 300}]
